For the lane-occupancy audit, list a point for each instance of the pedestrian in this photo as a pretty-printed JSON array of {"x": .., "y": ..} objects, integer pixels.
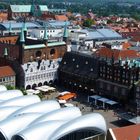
[{"x": 92, "y": 109}]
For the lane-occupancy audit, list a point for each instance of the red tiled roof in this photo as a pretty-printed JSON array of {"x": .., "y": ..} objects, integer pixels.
[
  {"x": 108, "y": 53},
  {"x": 126, "y": 45},
  {"x": 6, "y": 71},
  {"x": 61, "y": 17},
  {"x": 131, "y": 132}
]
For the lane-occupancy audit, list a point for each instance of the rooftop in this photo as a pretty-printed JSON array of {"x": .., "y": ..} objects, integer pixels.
[
  {"x": 6, "y": 71},
  {"x": 126, "y": 133},
  {"x": 15, "y": 25}
]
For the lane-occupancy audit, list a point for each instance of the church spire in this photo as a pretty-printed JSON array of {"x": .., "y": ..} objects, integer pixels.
[
  {"x": 22, "y": 37},
  {"x": 65, "y": 34},
  {"x": 45, "y": 35},
  {"x": 24, "y": 27},
  {"x": 10, "y": 28},
  {"x": 65, "y": 30}
]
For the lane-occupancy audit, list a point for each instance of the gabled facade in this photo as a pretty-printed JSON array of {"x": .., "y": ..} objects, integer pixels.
[{"x": 37, "y": 60}]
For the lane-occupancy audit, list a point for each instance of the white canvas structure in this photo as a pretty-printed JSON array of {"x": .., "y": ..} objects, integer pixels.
[
  {"x": 9, "y": 94},
  {"x": 40, "y": 107},
  {"x": 45, "y": 129},
  {"x": 27, "y": 118},
  {"x": 92, "y": 121},
  {"x": 7, "y": 110},
  {"x": 12, "y": 125},
  {"x": 21, "y": 101},
  {"x": 67, "y": 114}
]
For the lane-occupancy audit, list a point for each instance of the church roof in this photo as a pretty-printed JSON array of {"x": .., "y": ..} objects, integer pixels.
[
  {"x": 56, "y": 44},
  {"x": 43, "y": 8},
  {"x": 34, "y": 46},
  {"x": 26, "y": 8},
  {"x": 20, "y": 8}
]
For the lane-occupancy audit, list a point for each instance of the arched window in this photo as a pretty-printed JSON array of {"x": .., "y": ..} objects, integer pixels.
[
  {"x": 38, "y": 54},
  {"x": 52, "y": 51}
]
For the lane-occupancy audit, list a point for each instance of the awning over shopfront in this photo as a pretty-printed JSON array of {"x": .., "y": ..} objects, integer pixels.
[
  {"x": 110, "y": 102},
  {"x": 103, "y": 99}
]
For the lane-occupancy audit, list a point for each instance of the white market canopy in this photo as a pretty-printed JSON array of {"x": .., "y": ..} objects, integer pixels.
[
  {"x": 62, "y": 101},
  {"x": 63, "y": 93},
  {"x": 95, "y": 97},
  {"x": 110, "y": 102},
  {"x": 103, "y": 99},
  {"x": 32, "y": 91}
]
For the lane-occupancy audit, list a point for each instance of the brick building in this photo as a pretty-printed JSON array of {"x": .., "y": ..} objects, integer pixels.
[
  {"x": 109, "y": 73},
  {"x": 20, "y": 11},
  {"x": 35, "y": 61},
  {"x": 7, "y": 76}
]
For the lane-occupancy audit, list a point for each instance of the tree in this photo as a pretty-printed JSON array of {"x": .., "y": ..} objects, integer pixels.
[{"x": 88, "y": 22}]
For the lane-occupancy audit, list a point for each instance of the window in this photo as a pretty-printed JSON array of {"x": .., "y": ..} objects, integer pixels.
[
  {"x": 38, "y": 54},
  {"x": 115, "y": 89},
  {"x": 52, "y": 51},
  {"x": 123, "y": 91},
  {"x": 138, "y": 89},
  {"x": 3, "y": 79}
]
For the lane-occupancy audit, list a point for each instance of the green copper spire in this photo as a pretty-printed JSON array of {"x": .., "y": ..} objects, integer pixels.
[
  {"x": 5, "y": 52},
  {"x": 45, "y": 33},
  {"x": 65, "y": 30},
  {"x": 24, "y": 27},
  {"x": 22, "y": 38},
  {"x": 10, "y": 28}
]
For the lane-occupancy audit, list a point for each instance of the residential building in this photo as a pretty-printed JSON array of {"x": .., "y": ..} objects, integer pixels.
[{"x": 7, "y": 76}]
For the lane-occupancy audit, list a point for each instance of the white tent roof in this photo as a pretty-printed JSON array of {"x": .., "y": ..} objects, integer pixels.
[
  {"x": 68, "y": 105},
  {"x": 62, "y": 101},
  {"x": 103, "y": 99},
  {"x": 111, "y": 102},
  {"x": 63, "y": 93},
  {"x": 95, "y": 97},
  {"x": 32, "y": 91},
  {"x": 42, "y": 89}
]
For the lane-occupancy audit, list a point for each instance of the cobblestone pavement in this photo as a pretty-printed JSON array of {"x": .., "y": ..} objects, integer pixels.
[{"x": 81, "y": 102}]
